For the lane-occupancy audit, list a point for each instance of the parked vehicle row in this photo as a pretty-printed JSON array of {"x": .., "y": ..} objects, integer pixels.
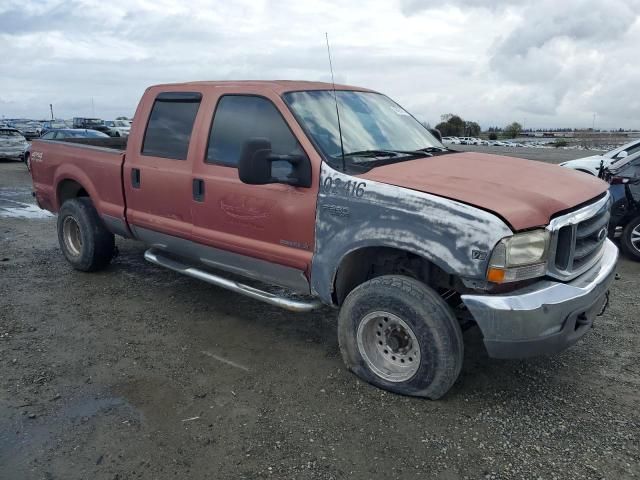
[
  {"x": 256, "y": 179},
  {"x": 31, "y": 129},
  {"x": 479, "y": 141}
]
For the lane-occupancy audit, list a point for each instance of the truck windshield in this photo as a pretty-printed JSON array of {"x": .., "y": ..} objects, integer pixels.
[{"x": 375, "y": 129}]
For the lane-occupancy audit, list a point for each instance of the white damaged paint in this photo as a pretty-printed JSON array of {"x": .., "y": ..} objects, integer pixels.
[{"x": 443, "y": 231}]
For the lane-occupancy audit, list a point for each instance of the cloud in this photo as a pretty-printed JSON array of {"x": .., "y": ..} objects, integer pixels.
[{"x": 555, "y": 63}]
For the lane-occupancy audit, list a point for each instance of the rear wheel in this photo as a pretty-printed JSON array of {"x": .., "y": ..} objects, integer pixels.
[
  {"x": 398, "y": 334},
  {"x": 630, "y": 240},
  {"x": 85, "y": 241}
]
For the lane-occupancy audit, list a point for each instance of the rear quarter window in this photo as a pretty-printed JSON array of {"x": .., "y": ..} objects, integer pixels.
[{"x": 170, "y": 125}]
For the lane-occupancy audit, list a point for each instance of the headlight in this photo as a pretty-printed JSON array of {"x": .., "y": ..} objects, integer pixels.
[{"x": 519, "y": 257}]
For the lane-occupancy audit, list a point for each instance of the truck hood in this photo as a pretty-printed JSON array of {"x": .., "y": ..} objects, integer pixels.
[{"x": 525, "y": 193}]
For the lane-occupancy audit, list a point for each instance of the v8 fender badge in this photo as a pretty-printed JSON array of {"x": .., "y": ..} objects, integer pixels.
[{"x": 478, "y": 255}]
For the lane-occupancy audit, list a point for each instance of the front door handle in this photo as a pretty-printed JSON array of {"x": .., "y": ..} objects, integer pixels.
[
  {"x": 135, "y": 177},
  {"x": 198, "y": 190}
]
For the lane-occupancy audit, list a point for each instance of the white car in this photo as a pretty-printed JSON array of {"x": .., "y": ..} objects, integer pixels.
[
  {"x": 451, "y": 140},
  {"x": 118, "y": 128},
  {"x": 12, "y": 144},
  {"x": 592, "y": 164}
]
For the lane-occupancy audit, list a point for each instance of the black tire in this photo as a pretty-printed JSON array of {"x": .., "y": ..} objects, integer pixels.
[
  {"x": 90, "y": 246},
  {"x": 433, "y": 325},
  {"x": 625, "y": 240}
]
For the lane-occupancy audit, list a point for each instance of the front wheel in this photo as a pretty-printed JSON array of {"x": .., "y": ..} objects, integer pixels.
[
  {"x": 85, "y": 241},
  {"x": 630, "y": 240},
  {"x": 398, "y": 334}
]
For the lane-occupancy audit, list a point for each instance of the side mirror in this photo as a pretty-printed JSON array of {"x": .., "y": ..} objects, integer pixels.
[
  {"x": 622, "y": 154},
  {"x": 256, "y": 165}
]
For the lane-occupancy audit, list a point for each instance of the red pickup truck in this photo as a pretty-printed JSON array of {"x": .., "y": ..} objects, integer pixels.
[{"x": 366, "y": 211}]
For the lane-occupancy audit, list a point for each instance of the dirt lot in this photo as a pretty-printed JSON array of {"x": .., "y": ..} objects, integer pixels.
[{"x": 137, "y": 372}]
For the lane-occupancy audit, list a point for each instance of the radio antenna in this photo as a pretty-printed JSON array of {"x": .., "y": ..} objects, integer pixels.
[{"x": 335, "y": 98}]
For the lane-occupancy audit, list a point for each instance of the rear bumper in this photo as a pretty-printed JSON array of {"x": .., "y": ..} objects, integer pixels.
[
  {"x": 15, "y": 153},
  {"x": 546, "y": 317}
]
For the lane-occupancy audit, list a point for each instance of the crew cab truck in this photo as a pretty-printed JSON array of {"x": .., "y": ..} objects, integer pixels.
[{"x": 366, "y": 212}]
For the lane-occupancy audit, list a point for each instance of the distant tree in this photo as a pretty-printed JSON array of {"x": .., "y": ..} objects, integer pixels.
[
  {"x": 493, "y": 136},
  {"x": 454, "y": 126},
  {"x": 472, "y": 129},
  {"x": 513, "y": 130}
]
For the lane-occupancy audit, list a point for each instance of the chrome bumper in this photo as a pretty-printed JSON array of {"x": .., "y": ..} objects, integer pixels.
[{"x": 545, "y": 317}]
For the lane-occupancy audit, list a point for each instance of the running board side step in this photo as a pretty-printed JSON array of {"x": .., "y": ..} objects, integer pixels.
[{"x": 295, "y": 305}]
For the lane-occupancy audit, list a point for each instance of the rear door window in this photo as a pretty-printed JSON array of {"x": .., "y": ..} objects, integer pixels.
[
  {"x": 170, "y": 125},
  {"x": 239, "y": 118}
]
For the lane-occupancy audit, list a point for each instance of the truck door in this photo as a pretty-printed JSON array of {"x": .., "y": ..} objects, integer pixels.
[
  {"x": 158, "y": 164},
  {"x": 265, "y": 231}
]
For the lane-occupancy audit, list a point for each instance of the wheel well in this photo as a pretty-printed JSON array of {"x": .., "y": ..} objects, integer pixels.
[
  {"x": 366, "y": 263},
  {"x": 70, "y": 189}
]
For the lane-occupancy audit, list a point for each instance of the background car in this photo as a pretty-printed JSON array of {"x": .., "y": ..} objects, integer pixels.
[
  {"x": 451, "y": 140},
  {"x": 625, "y": 211},
  {"x": 61, "y": 134},
  {"x": 592, "y": 164},
  {"x": 12, "y": 144},
  {"x": 28, "y": 129},
  {"x": 118, "y": 128},
  {"x": 52, "y": 125},
  {"x": 91, "y": 124}
]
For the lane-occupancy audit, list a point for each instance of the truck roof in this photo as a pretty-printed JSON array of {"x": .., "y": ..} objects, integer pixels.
[{"x": 278, "y": 86}]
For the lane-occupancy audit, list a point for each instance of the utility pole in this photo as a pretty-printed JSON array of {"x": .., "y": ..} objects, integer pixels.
[
  {"x": 93, "y": 109},
  {"x": 51, "y": 108},
  {"x": 593, "y": 125}
]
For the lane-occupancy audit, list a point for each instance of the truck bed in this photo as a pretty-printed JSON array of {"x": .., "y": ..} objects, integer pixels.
[
  {"x": 115, "y": 143},
  {"x": 93, "y": 167}
]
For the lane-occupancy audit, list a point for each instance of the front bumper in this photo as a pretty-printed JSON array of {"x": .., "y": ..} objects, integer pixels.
[{"x": 547, "y": 316}]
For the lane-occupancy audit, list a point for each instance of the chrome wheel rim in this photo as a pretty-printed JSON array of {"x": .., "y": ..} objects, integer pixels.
[
  {"x": 635, "y": 238},
  {"x": 388, "y": 346},
  {"x": 72, "y": 236}
]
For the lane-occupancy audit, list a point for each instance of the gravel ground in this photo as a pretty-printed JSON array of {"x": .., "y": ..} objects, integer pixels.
[{"x": 137, "y": 372}]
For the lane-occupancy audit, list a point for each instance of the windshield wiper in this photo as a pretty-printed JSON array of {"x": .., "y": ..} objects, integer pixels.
[
  {"x": 376, "y": 153},
  {"x": 432, "y": 149}
]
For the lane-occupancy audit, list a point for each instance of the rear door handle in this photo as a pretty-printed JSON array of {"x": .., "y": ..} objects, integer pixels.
[
  {"x": 198, "y": 190},
  {"x": 135, "y": 177}
]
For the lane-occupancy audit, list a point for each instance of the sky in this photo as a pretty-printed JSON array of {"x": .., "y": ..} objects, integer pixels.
[{"x": 543, "y": 63}]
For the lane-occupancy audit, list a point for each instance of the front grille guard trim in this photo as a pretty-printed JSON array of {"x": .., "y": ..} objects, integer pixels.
[{"x": 572, "y": 220}]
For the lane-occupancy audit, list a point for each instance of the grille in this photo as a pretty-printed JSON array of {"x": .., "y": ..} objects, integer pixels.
[{"x": 577, "y": 239}]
